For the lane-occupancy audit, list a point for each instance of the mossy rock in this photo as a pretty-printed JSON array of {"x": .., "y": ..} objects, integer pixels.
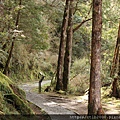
[
  {"x": 18, "y": 103},
  {"x": 61, "y": 92},
  {"x": 7, "y": 87}
]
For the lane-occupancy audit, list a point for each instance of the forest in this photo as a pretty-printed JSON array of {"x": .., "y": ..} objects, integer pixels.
[{"x": 72, "y": 43}]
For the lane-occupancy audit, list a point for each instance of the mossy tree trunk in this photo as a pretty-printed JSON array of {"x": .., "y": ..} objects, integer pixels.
[
  {"x": 94, "y": 102},
  {"x": 62, "y": 47}
]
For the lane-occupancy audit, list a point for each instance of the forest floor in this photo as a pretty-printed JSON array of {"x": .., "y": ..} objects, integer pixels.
[{"x": 54, "y": 103}]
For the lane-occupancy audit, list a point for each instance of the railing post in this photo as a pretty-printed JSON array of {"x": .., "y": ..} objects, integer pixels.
[{"x": 40, "y": 81}]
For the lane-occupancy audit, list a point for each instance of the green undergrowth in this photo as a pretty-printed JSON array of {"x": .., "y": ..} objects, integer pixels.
[
  {"x": 106, "y": 91},
  {"x": 109, "y": 103},
  {"x": 36, "y": 89},
  {"x": 12, "y": 98}
]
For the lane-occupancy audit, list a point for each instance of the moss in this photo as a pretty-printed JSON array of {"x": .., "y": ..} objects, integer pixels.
[
  {"x": 106, "y": 92},
  {"x": 42, "y": 88},
  {"x": 5, "y": 88},
  {"x": 18, "y": 103},
  {"x": 4, "y": 79},
  {"x": 2, "y": 101},
  {"x": 6, "y": 108},
  {"x": 4, "y": 84},
  {"x": 12, "y": 98},
  {"x": 61, "y": 92},
  {"x": 18, "y": 91}
]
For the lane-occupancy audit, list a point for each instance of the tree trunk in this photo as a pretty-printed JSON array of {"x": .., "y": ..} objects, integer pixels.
[
  {"x": 116, "y": 54},
  {"x": 114, "y": 88},
  {"x": 118, "y": 82},
  {"x": 12, "y": 45},
  {"x": 8, "y": 60},
  {"x": 116, "y": 61},
  {"x": 62, "y": 47},
  {"x": 68, "y": 50},
  {"x": 94, "y": 103}
]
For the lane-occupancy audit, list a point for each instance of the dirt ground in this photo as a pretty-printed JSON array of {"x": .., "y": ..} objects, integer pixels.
[{"x": 77, "y": 104}]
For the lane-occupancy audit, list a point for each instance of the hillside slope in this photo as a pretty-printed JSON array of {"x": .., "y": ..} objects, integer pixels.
[{"x": 12, "y": 98}]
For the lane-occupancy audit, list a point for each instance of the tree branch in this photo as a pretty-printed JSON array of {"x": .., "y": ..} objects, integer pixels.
[
  {"x": 83, "y": 20},
  {"x": 76, "y": 28},
  {"x": 76, "y": 7}
]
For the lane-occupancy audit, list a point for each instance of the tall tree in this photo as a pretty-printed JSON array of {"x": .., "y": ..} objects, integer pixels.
[
  {"x": 68, "y": 50},
  {"x": 12, "y": 44},
  {"x": 116, "y": 55},
  {"x": 62, "y": 47},
  {"x": 94, "y": 103},
  {"x": 116, "y": 61}
]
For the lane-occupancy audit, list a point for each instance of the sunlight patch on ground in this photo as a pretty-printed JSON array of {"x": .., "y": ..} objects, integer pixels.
[
  {"x": 111, "y": 105},
  {"x": 112, "y": 111},
  {"x": 81, "y": 98},
  {"x": 50, "y": 104}
]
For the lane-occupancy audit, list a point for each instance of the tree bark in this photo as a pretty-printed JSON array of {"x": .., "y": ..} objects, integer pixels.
[
  {"x": 6, "y": 69},
  {"x": 94, "y": 103},
  {"x": 114, "y": 88},
  {"x": 116, "y": 54},
  {"x": 62, "y": 47},
  {"x": 116, "y": 61},
  {"x": 68, "y": 50}
]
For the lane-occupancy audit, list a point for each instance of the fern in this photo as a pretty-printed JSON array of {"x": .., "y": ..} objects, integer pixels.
[{"x": 3, "y": 56}]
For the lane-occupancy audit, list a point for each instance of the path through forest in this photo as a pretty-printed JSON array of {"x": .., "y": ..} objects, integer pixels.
[{"x": 57, "y": 105}]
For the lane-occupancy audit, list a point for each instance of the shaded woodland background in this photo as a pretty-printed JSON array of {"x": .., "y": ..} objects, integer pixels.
[
  {"x": 36, "y": 40},
  {"x": 30, "y": 35}
]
